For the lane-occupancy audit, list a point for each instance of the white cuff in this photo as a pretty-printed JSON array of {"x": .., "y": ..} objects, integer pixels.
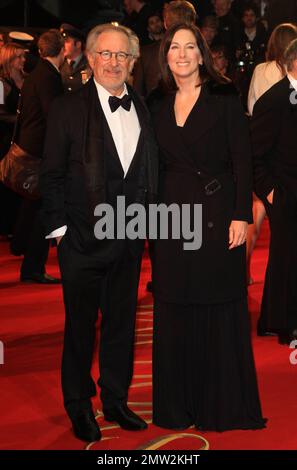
[{"x": 59, "y": 232}]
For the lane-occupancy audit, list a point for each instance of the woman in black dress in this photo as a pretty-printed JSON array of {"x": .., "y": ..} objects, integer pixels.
[{"x": 203, "y": 365}]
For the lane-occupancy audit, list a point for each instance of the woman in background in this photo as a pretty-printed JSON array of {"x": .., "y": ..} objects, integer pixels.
[{"x": 265, "y": 76}]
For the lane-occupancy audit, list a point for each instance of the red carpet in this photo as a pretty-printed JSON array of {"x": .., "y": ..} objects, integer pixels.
[{"x": 32, "y": 415}]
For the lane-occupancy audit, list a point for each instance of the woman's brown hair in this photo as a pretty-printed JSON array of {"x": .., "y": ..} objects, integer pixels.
[
  {"x": 278, "y": 42},
  {"x": 8, "y": 53},
  {"x": 207, "y": 71}
]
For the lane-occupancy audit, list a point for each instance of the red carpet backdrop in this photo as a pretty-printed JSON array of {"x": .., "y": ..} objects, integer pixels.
[{"x": 31, "y": 410}]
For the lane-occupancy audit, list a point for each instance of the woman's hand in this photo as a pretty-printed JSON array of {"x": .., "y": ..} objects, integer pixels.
[{"x": 237, "y": 233}]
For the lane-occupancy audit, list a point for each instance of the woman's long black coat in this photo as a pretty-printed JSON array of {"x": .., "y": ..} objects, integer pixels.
[{"x": 212, "y": 147}]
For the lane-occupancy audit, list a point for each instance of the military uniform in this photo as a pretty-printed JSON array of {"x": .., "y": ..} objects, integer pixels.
[{"x": 76, "y": 75}]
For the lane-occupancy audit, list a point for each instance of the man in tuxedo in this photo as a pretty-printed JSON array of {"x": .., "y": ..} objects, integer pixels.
[{"x": 99, "y": 146}]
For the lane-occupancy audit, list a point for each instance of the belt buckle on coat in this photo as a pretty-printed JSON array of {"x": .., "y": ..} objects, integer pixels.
[{"x": 212, "y": 187}]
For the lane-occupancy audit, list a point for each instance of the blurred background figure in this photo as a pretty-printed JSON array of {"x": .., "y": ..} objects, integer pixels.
[
  {"x": 228, "y": 25},
  {"x": 253, "y": 36},
  {"x": 39, "y": 90},
  {"x": 238, "y": 6},
  {"x": 209, "y": 29},
  {"x": 264, "y": 77},
  {"x": 250, "y": 49},
  {"x": 281, "y": 11},
  {"x": 147, "y": 68},
  {"x": 12, "y": 60},
  {"x": 155, "y": 27},
  {"x": 138, "y": 13},
  {"x": 221, "y": 61},
  {"x": 75, "y": 70},
  {"x": 179, "y": 11},
  {"x": 28, "y": 42}
]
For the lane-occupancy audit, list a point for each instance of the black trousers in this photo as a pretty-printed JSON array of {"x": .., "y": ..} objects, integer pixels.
[
  {"x": 279, "y": 302},
  {"x": 90, "y": 285},
  {"x": 29, "y": 238}
]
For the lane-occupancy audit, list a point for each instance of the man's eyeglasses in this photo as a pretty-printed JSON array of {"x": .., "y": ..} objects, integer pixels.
[{"x": 107, "y": 55}]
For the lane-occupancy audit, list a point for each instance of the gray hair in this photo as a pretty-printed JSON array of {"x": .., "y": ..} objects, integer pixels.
[
  {"x": 102, "y": 28},
  {"x": 291, "y": 54}
]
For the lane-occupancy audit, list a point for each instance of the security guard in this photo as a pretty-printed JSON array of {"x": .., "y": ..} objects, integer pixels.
[{"x": 75, "y": 70}]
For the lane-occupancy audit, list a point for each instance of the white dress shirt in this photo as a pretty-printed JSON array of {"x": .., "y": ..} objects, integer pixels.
[
  {"x": 124, "y": 126},
  {"x": 125, "y": 129}
]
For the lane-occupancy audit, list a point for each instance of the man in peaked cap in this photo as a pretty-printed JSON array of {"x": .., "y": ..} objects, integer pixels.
[{"x": 75, "y": 70}]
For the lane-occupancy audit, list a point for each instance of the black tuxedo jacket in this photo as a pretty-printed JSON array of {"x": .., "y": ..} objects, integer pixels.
[
  {"x": 74, "y": 176},
  {"x": 40, "y": 88},
  {"x": 212, "y": 150},
  {"x": 274, "y": 139}
]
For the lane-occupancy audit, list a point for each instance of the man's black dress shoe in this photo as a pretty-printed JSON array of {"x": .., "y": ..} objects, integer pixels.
[
  {"x": 40, "y": 279},
  {"x": 85, "y": 427},
  {"x": 286, "y": 337},
  {"x": 125, "y": 417}
]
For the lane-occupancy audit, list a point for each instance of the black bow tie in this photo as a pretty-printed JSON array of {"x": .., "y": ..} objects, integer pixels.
[{"x": 115, "y": 102}]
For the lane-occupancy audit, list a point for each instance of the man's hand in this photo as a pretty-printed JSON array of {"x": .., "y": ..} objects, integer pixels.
[
  {"x": 237, "y": 233},
  {"x": 270, "y": 197}
]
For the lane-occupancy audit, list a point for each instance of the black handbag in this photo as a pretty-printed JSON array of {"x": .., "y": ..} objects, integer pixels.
[{"x": 19, "y": 171}]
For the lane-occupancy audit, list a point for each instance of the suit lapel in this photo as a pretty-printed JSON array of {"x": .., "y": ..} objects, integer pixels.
[
  {"x": 147, "y": 149},
  {"x": 140, "y": 108},
  {"x": 110, "y": 145},
  {"x": 145, "y": 136},
  {"x": 93, "y": 148},
  {"x": 203, "y": 115}
]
